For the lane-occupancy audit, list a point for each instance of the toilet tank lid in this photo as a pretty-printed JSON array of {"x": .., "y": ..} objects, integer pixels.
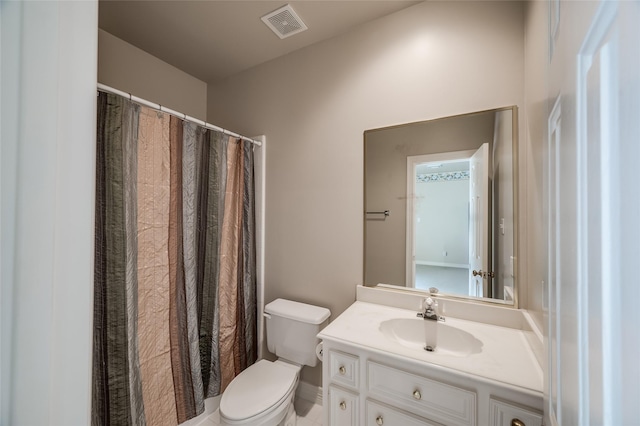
[{"x": 297, "y": 311}]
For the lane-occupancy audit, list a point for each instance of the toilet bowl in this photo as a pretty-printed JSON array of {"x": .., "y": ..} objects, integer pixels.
[{"x": 263, "y": 394}]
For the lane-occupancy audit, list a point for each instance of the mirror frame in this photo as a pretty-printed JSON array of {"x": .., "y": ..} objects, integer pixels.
[{"x": 515, "y": 157}]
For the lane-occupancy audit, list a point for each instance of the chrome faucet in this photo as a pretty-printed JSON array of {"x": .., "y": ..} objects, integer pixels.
[{"x": 430, "y": 315}]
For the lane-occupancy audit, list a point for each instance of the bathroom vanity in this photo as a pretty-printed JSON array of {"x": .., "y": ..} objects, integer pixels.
[{"x": 376, "y": 372}]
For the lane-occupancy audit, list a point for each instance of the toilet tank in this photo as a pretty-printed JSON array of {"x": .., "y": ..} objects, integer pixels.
[{"x": 292, "y": 328}]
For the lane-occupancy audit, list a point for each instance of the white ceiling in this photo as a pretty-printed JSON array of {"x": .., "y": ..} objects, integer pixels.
[{"x": 215, "y": 39}]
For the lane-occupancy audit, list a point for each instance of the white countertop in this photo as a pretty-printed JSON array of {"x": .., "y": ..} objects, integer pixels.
[{"x": 505, "y": 356}]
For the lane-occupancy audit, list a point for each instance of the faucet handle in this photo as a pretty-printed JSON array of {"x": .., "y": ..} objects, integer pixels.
[
  {"x": 429, "y": 309},
  {"x": 425, "y": 304},
  {"x": 430, "y": 304}
]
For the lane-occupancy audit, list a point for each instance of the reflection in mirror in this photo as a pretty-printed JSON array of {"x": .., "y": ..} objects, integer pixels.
[{"x": 440, "y": 205}]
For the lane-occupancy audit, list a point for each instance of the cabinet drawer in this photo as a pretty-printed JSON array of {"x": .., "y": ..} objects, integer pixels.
[
  {"x": 344, "y": 369},
  {"x": 343, "y": 407},
  {"x": 425, "y": 397},
  {"x": 381, "y": 414},
  {"x": 503, "y": 414}
]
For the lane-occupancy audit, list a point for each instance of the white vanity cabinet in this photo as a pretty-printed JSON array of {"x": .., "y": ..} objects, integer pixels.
[{"x": 363, "y": 386}]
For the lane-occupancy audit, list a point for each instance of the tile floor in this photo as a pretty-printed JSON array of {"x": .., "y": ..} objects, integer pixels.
[{"x": 309, "y": 414}]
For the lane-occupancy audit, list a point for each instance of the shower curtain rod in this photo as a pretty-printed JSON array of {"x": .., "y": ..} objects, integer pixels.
[{"x": 105, "y": 88}]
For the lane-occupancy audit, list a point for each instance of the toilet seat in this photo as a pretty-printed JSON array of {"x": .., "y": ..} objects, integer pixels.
[{"x": 260, "y": 389}]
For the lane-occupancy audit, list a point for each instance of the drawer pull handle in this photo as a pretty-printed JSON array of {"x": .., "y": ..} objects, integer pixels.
[
  {"x": 417, "y": 394},
  {"x": 379, "y": 420},
  {"x": 343, "y": 405},
  {"x": 342, "y": 370},
  {"x": 517, "y": 422}
]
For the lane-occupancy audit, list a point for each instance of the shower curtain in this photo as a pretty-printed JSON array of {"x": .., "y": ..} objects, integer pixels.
[{"x": 175, "y": 281}]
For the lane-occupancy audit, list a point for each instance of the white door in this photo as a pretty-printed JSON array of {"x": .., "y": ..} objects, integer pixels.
[
  {"x": 479, "y": 221},
  {"x": 593, "y": 215}
]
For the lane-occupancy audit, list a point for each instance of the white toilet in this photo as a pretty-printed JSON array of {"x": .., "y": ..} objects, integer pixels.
[{"x": 263, "y": 394}]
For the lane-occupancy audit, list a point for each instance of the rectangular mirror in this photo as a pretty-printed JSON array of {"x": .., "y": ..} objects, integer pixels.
[{"x": 440, "y": 205}]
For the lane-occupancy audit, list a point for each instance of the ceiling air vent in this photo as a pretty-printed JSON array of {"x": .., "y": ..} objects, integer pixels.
[{"x": 284, "y": 22}]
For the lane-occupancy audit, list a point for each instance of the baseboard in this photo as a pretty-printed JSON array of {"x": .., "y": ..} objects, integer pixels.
[{"x": 309, "y": 392}]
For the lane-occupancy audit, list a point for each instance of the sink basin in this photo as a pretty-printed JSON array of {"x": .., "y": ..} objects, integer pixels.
[{"x": 410, "y": 333}]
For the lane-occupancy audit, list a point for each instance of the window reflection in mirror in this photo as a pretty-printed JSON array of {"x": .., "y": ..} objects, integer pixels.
[{"x": 448, "y": 187}]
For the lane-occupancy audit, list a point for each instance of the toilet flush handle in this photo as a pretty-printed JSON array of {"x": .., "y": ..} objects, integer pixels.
[{"x": 266, "y": 315}]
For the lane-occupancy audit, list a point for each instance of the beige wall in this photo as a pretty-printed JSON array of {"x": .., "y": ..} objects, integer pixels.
[
  {"x": 532, "y": 145},
  {"x": 125, "y": 67},
  {"x": 431, "y": 60}
]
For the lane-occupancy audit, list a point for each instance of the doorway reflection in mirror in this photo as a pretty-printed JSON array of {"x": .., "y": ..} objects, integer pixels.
[{"x": 441, "y": 218}]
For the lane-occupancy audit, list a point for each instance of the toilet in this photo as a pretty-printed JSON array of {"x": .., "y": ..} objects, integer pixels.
[{"x": 263, "y": 394}]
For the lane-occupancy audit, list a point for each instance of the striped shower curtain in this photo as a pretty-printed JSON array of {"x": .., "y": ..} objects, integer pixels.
[{"x": 175, "y": 282}]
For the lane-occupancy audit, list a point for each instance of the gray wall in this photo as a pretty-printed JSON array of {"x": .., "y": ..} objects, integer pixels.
[
  {"x": 432, "y": 60},
  {"x": 125, "y": 67}
]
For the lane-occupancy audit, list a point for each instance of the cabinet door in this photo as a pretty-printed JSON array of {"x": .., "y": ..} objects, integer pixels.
[
  {"x": 504, "y": 414},
  {"x": 382, "y": 415},
  {"x": 343, "y": 407},
  {"x": 344, "y": 369}
]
